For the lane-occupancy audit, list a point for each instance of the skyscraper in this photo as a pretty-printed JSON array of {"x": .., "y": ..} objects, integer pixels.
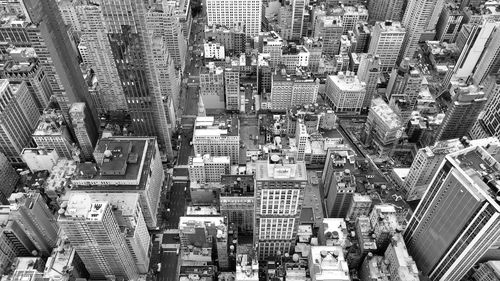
[
  {"x": 298, "y": 10},
  {"x": 85, "y": 137},
  {"x": 458, "y": 219},
  {"x": 9, "y": 179},
  {"x": 47, "y": 34},
  {"x": 232, "y": 87},
  {"x": 416, "y": 19},
  {"x": 382, "y": 10},
  {"x": 488, "y": 123},
  {"x": 52, "y": 132},
  {"x": 466, "y": 105},
  {"x": 131, "y": 65},
  {"x": 16, "y": 122},
  {"x": 386, "y": 42},
  {"x": 232, "y": 13},
  {"x": 489, "y": 62},
  {"x": 95, "y": 234},
  {"x": 279, "y": 195},
  {"x": 217, "y": 137},
  {"x": 369, "y": 72},
  {"x": 30, "y": 212},
  {"x": 125, "y": 164},
  {"x": 301, "y": 137}
]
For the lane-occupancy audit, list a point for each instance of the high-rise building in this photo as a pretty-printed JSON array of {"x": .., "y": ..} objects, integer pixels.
[
  {"x": 48, "y": 35},
  {"x": 271, "y": 43},
  {"x": 125, "y": 164},
  {"x": 458, "y": 219},
  {"x": 212, "y": 86},
  {"x": 18, "y": 116},
  {"x": 298, "y": 11},
  {"x": 474, "y": 45},
  {"x": 126, "y": 53},
  {"x": 232, "y": 87},
  {"x": 405, "y": 84},
  {"x": 52, "y": 132},
  {"x": 487, "y": 123},
  {"x": 292, "y": 90},
  {"x": 217, "y": 137},
  {"x": 339, "y": 188},
  {"x": 383, "y": 127},
  {"x": 95, "y": 233},
  {"x": 351, "y": 15},
  {"x": 330, "y": 29},
  {"x": 24, "y": 66},
  {"x": 385, "y": 225},
  {"x": 416, "y": 20},
  {"x": 86, "y": 138},
  {"x": 9, "y": 179},
  {"x": 489, "y": 270},
  {"x": 360, "y": 206},
  {"x": 345, "y": 92},
  {"x": 428, "y": 159},
  {"x": 489, "y": 63},
  {"x": 31, "y": 213},
  {"x": 301, "y": 138},
  {"x": 369, "y": 72},
  {"x": 466, "y": 105},
  {"x": 279, "y": 193},
  {"x": 163, "y": 21},
  {"x": 386, "y": 42},
  {"x": 449, "y": 23},
  {"x": 237, "y": 202},
  {"x": 401, "y": 264},
  {"x": 128, "y": 214},
  {"x": 232, "y": 13},
  {"x": 383, "y": 10},
  {"x": 206, "y": 168},
  {"x": 233, "y": 39}
]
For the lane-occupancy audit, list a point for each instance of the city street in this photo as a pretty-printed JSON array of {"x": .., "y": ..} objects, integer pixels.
[
  {"x": 169, "y": 265},
  {"x": 177, "y": 205}
]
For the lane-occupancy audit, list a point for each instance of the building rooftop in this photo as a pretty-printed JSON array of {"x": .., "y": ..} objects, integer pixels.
[
  {"x": 266, "y": 171},
  {"x": 385, "y": 113},
  {"x": 348, "y": 82},
  {"x": 247, "y": 268},
  {"x": 211, "y": 126},
  {"x": 51, "y": 123},
  {"x": 188, "y": 224},
  {"x": 60, "y": 260},
  {"x": 335, "y": 231},
  {"x": 293, "y": 49},
  {"x": 199, "y": 160},
  {"x": 60, "y": 176},
  {"x": 328, "y": 263},
  {"x": 377, "y": 268},
  {"x": 481, "y": 170},
  {"x": 202, "y": 211},
  {"x": 364, "y": 233},
  {"x": 391, "y": 26},
  {"x": 122, "y": 163},
  {"x": 81, "y": 205},
  {"x": 407, "y": 270}
]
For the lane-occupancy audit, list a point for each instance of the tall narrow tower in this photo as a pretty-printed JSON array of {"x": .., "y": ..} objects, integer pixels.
[
  {"x": 279, "y": 196},
  {"x": 133, "y": 59},
  {"x": 94, "y": 232},
  {"x": 416, "y": 19},
  {"x": 458, "y": 218},
  {"x": 49, "y": 37}
]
